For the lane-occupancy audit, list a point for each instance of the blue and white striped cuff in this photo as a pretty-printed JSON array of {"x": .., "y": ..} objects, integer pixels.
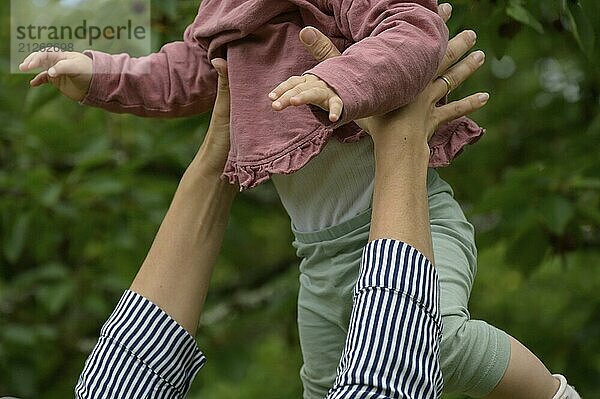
[
  {"x": 395, "y": 265},
  {"x": 151, "y": 335}
]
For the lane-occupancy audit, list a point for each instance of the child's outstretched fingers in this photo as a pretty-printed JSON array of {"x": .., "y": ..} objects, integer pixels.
[
  {"x": 41, "y": 59},
  {"x": 303, "y": 89},
  {"x": 308, "y": 89},
  {"x": 61, "y": 68},
  {"x": 322, "y": 97},
  {"x": 285, "y": 86},
  {"x": 70, "y": 72},
  {"x": 40, "y": 79}
]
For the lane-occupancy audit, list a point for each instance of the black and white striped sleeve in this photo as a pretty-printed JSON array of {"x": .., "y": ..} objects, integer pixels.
[
  {"x": 392, "y": 348},
  {"x": 141, "y": 353}
]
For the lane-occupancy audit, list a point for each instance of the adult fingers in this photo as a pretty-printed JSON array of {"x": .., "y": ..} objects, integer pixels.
[
  {"x": 221, "y": 109},
  {"x": 317, "y": 44},
  {"x": 457, "y": 74},
  {"x": 456, "y": 109},
  {"x": 220, "y": 66},
  {"x": 445, "y": 11},
  {"x": 285, "y": 86},
  {"x": 42, "y": 59},
  {"x": 457, "y": 47},
  {"x": 215, "y": 146}
]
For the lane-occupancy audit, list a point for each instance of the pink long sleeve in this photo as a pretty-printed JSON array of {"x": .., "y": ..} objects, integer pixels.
[
  {"x": 399, "y": 45},
  {"x": 176, "y": 81}
]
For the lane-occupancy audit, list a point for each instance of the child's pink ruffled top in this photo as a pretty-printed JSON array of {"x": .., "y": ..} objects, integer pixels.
[{"x": 391, "y": 51}]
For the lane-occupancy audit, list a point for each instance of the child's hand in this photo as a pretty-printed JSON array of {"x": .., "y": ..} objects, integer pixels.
[
  {"x": 422, "y": 114},
  {"x": 69, "y": 72},
  {"x": 307, "y": 89}
]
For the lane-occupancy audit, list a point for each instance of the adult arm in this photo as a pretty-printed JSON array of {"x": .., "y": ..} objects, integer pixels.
[
  {"x": 146, "y": 348},
  {"x": 177, "y": 270},
  {"x": 392, "y": 347},
  {"x": 399, "y": 45},
  {"x": 144, "y": 352}
]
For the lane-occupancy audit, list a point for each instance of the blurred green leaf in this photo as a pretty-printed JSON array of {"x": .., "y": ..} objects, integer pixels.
[
  {"x": 51, "y": 195},
  {"x": 556, "y": 212},
  {"x": 527, "y": 249},
  {"x": 38, "y": 98},
  {"x": 19, "y": 334},
  {"x": 55, "y": 297},
  {"x": 581, "y": 27},
  {"x": 15, "y": 242},
  {"x": 99, "y": 187},
  {"x": 518, "y": 12}
]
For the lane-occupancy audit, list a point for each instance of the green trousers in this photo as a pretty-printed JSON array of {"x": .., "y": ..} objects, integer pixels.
[{"x": 474, "y": 355}]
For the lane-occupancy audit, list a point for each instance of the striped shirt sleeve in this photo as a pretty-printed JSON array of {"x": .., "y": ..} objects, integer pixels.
[
  {"x": 392, "y": 347},
  {"x": 141, "y": 353}
]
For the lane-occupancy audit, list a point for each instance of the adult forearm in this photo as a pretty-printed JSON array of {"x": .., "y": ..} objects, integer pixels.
[
  {"x": 176, "y": 273},
  {"x": 400, "y": 209},
  {"x": 393, "y": 338}
]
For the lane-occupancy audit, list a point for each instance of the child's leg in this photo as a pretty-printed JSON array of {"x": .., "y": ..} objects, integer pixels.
[
  {"x": 477, "y": 359},
  {"x": 474, "y": 355},
  {"x": 526, "y": 377},
  {"x": 328, "y": 272}
]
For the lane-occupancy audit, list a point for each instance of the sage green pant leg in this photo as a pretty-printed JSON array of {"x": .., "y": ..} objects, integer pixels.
[
  {"x": 474, "y": 355},
  {"x": 328, "y": 271}
]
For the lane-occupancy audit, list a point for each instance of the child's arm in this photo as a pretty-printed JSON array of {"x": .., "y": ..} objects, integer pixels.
[
  {"x": 399, "y": 45},
  {"x": 176, "y": 81}
]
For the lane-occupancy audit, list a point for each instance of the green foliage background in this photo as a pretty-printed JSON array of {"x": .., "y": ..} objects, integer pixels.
[{"x": 82, "y": 193}]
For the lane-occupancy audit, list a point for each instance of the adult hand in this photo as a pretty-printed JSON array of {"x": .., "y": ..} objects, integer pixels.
[
  {"x": 70, "y": 72},
  {"x": 176, "y": 273},
  {"x": 215, "y": 148},
  {"x": 422, "y": 115}
]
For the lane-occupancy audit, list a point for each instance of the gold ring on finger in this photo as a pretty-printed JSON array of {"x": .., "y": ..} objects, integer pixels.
[{"x": 446, "y": 80}]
